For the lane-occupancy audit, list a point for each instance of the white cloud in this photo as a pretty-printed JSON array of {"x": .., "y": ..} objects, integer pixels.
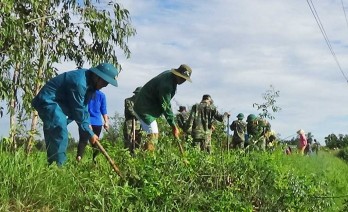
[{"x": 237, "y": 49}]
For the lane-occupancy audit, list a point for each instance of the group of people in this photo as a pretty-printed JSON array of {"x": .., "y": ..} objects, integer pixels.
[
  {"x": 255, "y": 133},
  {"x": 76, "y": 96},
  {"x": 66, "y": 98},
  {"x": 305, "y": 146},
  {"x": 198, "y": 124}
]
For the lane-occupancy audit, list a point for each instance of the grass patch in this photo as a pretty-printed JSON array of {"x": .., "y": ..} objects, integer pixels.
[{"x": 222, "y": 181}]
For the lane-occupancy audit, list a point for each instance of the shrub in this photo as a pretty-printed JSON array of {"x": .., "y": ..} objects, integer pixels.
[{"x": 343, "y": 154}]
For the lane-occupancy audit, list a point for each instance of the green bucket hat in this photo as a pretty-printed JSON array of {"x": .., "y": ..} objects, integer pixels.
[
  {"x": 184, "y": 71},
  {"x": 137, "y": 90},
  {"x": 107, "y": 72}
]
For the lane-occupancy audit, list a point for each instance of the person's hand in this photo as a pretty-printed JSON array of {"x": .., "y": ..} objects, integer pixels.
[
  {"x": 176, "y": 132},
  {"x": 93, "y": 139},
  {"x": 106, "y": 126},
  {"x": 212, "y": 128}
]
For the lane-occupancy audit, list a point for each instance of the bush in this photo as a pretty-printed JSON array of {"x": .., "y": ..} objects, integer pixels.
[{"x": 343, "y": 154}]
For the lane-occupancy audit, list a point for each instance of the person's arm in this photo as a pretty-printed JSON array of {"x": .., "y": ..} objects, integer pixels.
[
  {"x": 180, "y": 120},
  {"x": 104, "y": 112},
  {"x": 165, "y": 97},
  {"x": 233, "y": 126},
  {"x": 129, "y": 106},
  {"x": 218, "y": 116},
  {"x": 80, "y": 114},
  {"x": 106, "y": 122}
]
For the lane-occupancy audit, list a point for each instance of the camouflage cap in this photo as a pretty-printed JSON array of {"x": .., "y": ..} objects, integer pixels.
[{"x": 182, "y": 108}]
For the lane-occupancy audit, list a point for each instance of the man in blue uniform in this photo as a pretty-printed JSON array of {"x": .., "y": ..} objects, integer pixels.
[{"x": 64, "y": 98}]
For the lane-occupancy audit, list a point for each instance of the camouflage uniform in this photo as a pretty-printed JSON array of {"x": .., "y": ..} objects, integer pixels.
[
  {"x": 239, "y": 128},
  {"x": 181, "y": 119},
  {"x": 269, "y": 135},
  {"x": 255, "y": 134},
  {"x": 129, "y": 116},
  {"x": 200, "y": 122}
]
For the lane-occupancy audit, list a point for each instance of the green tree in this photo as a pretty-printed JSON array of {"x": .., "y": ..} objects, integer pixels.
[
  {"x": 36, "y": 35},
  {"x": 331, "y": 141},
  {"x": 270, "y": 97}
]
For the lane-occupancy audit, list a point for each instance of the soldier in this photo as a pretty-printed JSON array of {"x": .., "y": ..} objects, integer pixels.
[
  {"x": 181, "y": 119},
  {"x": 316, "y": 146},
  {"x": 255, "y": 132},
  {"x": 154, "y": 100},
  {"x": 201, "y": 120},
  {"x": 131, "y": 125},
  {"x": 239, "y": 129}
]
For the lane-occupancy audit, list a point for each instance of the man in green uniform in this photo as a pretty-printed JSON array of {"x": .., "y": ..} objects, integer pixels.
[
  {"x": 255, "y": 132},
  {"x": 239, "y": 129},
  {"x": 201, "y": 120},
  {"x": 131, "y": 125},
  {"x": 154, "y": 100}
]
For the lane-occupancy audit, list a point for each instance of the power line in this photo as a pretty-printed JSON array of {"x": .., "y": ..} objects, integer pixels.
[
  {"x": 321, "y": 27},
  {"x": 344, "y": 11}
]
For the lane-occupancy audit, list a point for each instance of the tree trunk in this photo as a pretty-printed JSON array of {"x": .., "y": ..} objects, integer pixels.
[
  {"x": 42, "y": 65},
  {"x": 13, "y": 105}
]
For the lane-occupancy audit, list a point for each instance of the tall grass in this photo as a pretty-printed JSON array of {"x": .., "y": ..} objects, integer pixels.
[
  {"x": 325, "y": 166},
  {"x": 164, "y": 181}
]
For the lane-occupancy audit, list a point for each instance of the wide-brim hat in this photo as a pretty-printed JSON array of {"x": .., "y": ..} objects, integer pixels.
[
  {"x": 184, "y": 71},
  {"x": 137, "y": 90},
  {"x": 107, "y": 72},
  {"x": 300, "y": 131}
]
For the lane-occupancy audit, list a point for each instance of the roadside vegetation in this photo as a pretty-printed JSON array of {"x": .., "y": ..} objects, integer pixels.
[{"x": 164, "y": 181}]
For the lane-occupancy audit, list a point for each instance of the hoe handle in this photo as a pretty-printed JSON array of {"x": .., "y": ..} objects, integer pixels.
[{"x": 112, "y": 163}]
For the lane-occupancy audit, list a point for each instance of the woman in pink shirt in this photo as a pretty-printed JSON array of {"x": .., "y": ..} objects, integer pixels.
[{"x": 302, "y": 143}]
